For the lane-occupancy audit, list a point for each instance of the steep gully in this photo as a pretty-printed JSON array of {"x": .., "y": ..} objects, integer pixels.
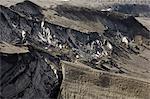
[{"x": 37, "y": 73}]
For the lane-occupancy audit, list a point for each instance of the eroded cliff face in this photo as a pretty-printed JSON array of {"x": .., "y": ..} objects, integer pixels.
[
  {"x": 35, "y": 42},
  {"x": 133, "y": 9}
]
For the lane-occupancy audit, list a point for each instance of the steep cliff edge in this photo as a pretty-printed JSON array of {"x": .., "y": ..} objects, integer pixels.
[{"x": 72, "y": 52}]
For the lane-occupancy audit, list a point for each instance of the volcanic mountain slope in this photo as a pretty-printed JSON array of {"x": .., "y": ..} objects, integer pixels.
[{"x": 45, "y": 41}]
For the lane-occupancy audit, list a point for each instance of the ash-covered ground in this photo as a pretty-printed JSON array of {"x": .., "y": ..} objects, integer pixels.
[{"x": 36, "y": 41}]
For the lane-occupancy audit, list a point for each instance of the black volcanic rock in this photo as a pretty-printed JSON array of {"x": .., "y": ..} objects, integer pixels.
[{"x": 37, "y": 72}]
